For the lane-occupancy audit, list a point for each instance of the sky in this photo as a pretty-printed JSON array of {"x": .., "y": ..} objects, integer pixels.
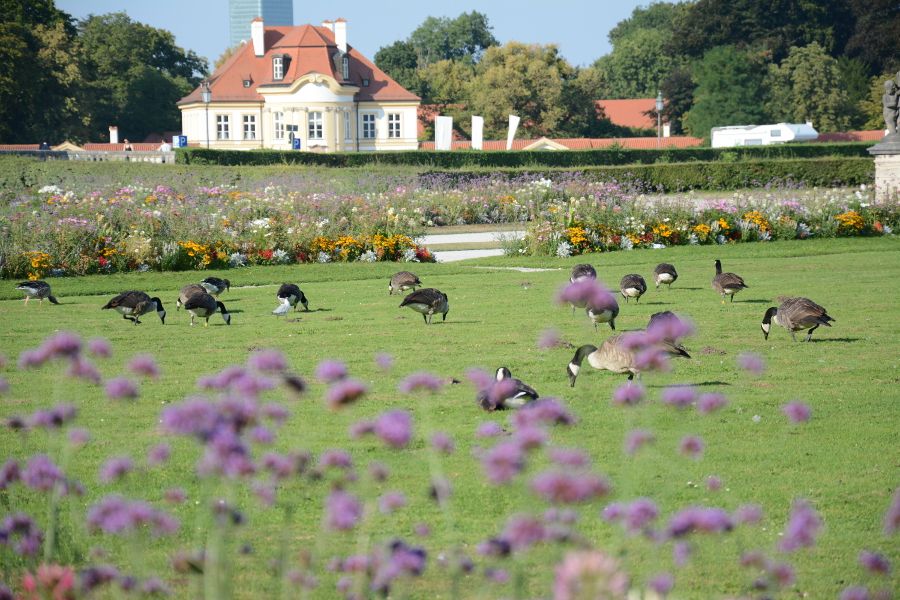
[{"x": 577, "y": 27}]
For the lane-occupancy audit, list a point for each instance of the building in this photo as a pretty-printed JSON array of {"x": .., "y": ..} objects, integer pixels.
[
  {"x": 544, "y": 143},
  {"x": 636, "y": 113},
  {"x": 242, "y": 12},
  {"x": 762, "y": 135},
  {"x": 301, "y": 87}
]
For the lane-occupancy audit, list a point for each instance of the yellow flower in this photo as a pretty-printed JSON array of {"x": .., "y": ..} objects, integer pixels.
[
  {"x": 723, "y": 224},
  {"x": 702, "y": 229},
  {"x": 662, "y": 230},
  {"x": 577, "y": 235},
  {"x": 850, "y": 221},
  {"x": 757, "y": 218}
]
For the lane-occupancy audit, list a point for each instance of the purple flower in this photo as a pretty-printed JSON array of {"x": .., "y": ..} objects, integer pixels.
[
  {"x": 669, "y": 327},
  {"x": 338, "y": 459},
  {"x": 262, "y": 435},
  {"x": 64, "y": 344},
  {"x": 699, "y": 519},
  {"x": 480, "y": 378},
  {"x": 81, "y": 368},
  {"x": 629, "y": 394},
  {"x": 394, "y": 428},
  {"x": 197, "y": 417},
  {"x": 708, "y": 403},
  {"x": 748, "y": 514},
  {"x": 41, "y": 473},
  {"x": 361, "y": 428},
  {"x": 54, "y": 418},
  {"x": 547, "y": 411},
  {"x": 31, "y": 359},
  {"x": 523, "y": 531},
  {"x": 93, "y": 577},
  {"x": 636, "y": 438},
  {"x": 679, "y": 396},
  {"x": 9, "y": 473},
  {"x": 855, "y": 592},
  {"x": 4, "y": 386},
  {"x": 154, "y": 587},
  {"x": 569, "y": 457},
  {"x": 264, "y": 492},
  {"x": 158, "y": 454},
  {"x": 692, "y": 446},
  {"x": 802, "y": 528},
  {"x": 391, "y": 501},
  {"x": 175, "y": 495},
  {"x": 662, "y": 584},
  {"x": 384, "y": 361},
  {"x": 343, "y": 510},
  {"x": 488, "y": 429},
  {"x": 21, "y": 533},
  {"x": 874, "y": 563},
  {"x": 344, "y": 392},
  {"x": 496, "y": 575},
  {"x": 550, "y": 338},
  {"x": 797, "y": 412},
  {"x": 752, "y": 363},
  {"x": 379, "y": 471},
  {"x": 782, "y": 573},
  {"x": 681, "y": 553},
  {"x": 115, "y": 468},
  {"x": 613, "y": 512},
  {"x": 587, "y": 292},
  {"x": 566, "y": 488},
  {"x": 530, "y": 437},
  {"x": 713, "y": 483},
  {"x": 442, "y": 442},
  {"x": 583, "y": 570},
  {"x": 120, "y": 387},
  {"x": 114, "y": 514},
  {"x": 276, "y": 412},
  {"x": 330, "y": 371},
  {"x": 267, "y": 361},
  {"x": 637, "y": 515},
  {"x": 145, "y": 365},
  {"x": 503, "y": 462},
  {"x": 280, "y": 466},
  {"x": 892, "y": 516},
  {"x": 422, "y": 529},
  {"x": 421, "y": 381}
]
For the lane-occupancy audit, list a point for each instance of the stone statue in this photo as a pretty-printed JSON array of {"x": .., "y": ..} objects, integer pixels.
[{"x": 891, "y": 104}]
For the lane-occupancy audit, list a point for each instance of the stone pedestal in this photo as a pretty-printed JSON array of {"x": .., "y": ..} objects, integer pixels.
[{"x": 887, "y": 169}]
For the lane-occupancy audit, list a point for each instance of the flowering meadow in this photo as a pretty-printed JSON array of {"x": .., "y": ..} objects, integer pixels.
[
  {"x": 344, "y": 453},
  {"x": 181, "y": 223}
]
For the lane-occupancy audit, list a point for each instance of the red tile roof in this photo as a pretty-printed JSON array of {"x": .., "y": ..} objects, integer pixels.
[
  {"x": 851, "y": 136},
  {"x": 581, "y": 143},
  {"x": 629, "y": 112},
  {"x": 13, "y": 147},
  {"x": 309, "y": 49},
  {"x": 120, "y": 147}
]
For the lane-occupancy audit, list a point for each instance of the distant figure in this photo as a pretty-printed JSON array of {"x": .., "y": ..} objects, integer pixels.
[
  {"x": 44, "y": 146},
  {"x": 165, "y": 147},
  {"x": 128, "y": 146},
  {"x": 891, "y": 103}
]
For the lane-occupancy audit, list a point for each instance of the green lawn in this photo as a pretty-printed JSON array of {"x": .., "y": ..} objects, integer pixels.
[{"x": 845, "y": 460}]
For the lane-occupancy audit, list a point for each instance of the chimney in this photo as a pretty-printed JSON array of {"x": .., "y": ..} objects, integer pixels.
[
  {"x": 258, "y": 35},
  {"x": 113, "y": 134},
  {"x": 329, "y": 25},
  {"x": 340, "y": 34}
]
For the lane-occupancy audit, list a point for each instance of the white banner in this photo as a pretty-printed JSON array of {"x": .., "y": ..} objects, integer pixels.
[
  {"x": 443, "y": 132},
  {"x": 513, "y": 125},
  {"x": 477, "y": 133}
]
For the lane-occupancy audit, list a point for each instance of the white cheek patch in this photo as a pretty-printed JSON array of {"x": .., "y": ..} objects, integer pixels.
[
  {"x": 665, "y": 278},
  {"x": 573, "y": 368}
]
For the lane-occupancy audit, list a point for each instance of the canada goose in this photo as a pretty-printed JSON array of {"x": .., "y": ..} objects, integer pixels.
[
  {"x": 215, "y": 286},
  {"x": 294, "y": 296},
  {"x": 582, "y": 271},
  {"x": 188, "y": 291},
  {"x": 727, "y": 283},
  {"x": 204, "y": 305},
  {"x": 428, "y": 301},
  {"x": 615, "y": 355},
  {"x": 795, "y": 314},
  {"x": 633, "y": 286},
  {"x": 37, "y": 289},
  {"x": 661, "y": 322},
  {"x": 516, "y": 395},
  {"x": 402, "y": 281},
  {"x": 283, "y": 308},
  {"x": 665, "y": 273},
  {"x": 133, "y": 305},
  {"x": 603, "y": 312}
]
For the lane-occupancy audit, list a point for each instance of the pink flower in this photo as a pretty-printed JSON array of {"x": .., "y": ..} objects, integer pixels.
[
  {"x": 550, "y": 338},
  {"x": 421, "y": 381},
  {"x": 692, "y": 446},
  {"x": 797, "y": 412},
  {"x": 679, "y": 396},
  {"x": 384, "y": 361},
  {"x": 99, "y": 347},
  {"x": 442, "y": 442},
  {"x": 330, "y": 371},
  {"x": 748, "y": 514},
  {"x": 503, "y": 462},
  {"x": 567, "y": 488},
  {"x": 391, "y": 501},
  {"x": 713, "y": 483},
  {"x": 115, "y": 468},
  {"x": 120, "y": 387},
  {"x": 629, "y": 394},
  {"x": 636, "y": 438},
  {"x": 394, "y": 428},
  {"x": 343, "y": 510},
  {"x": 64, "y": 344},
  {"x": 803, "y": 527},
  {"x": 144, "y": 364},
  {"x": 752, "y": 363},
  {"x": 708, "y": 403},
  {"x": 344, "y": 392},
  {"x": 592, "y": 570},
  {"x": 267, "y": 361},
  {"x": 488, "y": 429}
]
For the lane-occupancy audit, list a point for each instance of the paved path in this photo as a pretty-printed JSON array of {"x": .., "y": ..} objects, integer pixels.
[{"x": 467, "y": 238}]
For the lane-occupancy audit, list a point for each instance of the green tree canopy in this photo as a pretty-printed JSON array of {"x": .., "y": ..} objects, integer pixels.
[
  {"x": 400, "y": 61},
  {"x": 637, "y": 65},
  {"x": 464, "y": 38},
  {"x": 876, "y": 33},
  {"x": 729, "y": 90},
  {"x": 659, "y": 15}
]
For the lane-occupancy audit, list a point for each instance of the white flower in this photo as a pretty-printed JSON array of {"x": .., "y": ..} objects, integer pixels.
[
  {"x": 626, "y": 243},
  {"x": 236, "y": 259},
  {"x": 564, "y": 250},
  {"x": 693, "y": 240},
  {"x": 887, "y": 230},
  {"x": 323, "y": 257},
  {"x": 409, "y": 255},
  {"x": 50, "y": 189},
  {"x": 368, "y": 256},
  {"x": 720, "y": 239},
  {"x": 281, "y": 256}
]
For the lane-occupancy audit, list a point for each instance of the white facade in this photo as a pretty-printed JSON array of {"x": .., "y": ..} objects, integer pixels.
[{"x": 762, "y": 135}]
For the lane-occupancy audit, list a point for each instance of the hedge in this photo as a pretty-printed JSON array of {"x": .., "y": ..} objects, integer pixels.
[{"x": 474, "y": 158}]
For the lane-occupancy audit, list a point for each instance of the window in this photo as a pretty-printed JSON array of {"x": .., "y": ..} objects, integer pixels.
[
  {"x": 222, "y": 128},
  {"x": 278, "y": 120},
  {"x": 393, "y": 125},
  {"x": 278, "y": 68},
  {"x": 315, "y": 125},
  {"x": 249, "y": 127},
  {"x": 347, "y": 125},
  {"x": 775, "y": 133},
  {"x": 246, "y": 83},
  {"x": 368, "y": 126},
  {"x": 365, "y": 82},
  {"x": 292, "y": 131},
  {"x": 345, "y": 68}
]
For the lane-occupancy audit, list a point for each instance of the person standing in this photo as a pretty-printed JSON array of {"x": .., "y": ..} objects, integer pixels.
[{"x": 128, "y": 146}]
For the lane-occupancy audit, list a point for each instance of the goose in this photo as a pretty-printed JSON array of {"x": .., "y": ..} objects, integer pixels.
[
  {"x": 188, "y": 291},
  {"x": 204, "y": 305},
  {"x": 515, "y": 396},
  {"x": 37, "y": 289},
  {"x": 132, "y": 305},
  {"x": 283, "y": 307},
  {"x": 402, "y": 281},
  {"x": 294, "y": 296},
  {"x": 428, "y": 301},
  {"x": 633, "y": 286},
  {"x": 659, "y": 320},
  {"x": 605, "y": 313},
  {"x": 215, "y": 286},
  {"x": 582, "y": 271},
  {"x": 795, "y": 314},
  {"x": 665, "y": 273},
  {"x": 614, "y": 355},
  {"x": 727, "y": 283}
]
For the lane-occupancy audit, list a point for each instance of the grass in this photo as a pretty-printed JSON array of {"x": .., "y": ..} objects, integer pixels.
[{"x": 844, "y": 460}]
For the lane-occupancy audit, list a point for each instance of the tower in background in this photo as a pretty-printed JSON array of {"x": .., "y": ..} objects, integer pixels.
[{"x": 241, "y": 12}]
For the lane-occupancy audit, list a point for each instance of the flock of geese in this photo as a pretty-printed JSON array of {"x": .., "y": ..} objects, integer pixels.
[{"x": 615, "y": 354}]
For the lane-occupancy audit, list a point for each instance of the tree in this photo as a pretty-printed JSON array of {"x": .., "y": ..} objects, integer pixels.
[
  {"x": 134, "y": 75},
  {"x": 871, "y": 106},
  {"x": 446, "y": 82},
  {"x": 729, "y": 90},
  {"x": 226, "y": 54},
  {"x": 400, "y": 62},
  {"x": 637, "y": 64},
  {"x": 875, "y": 35},
  {"x": 807, "y": 86},
  {"x": 464, "y": 38},
  {"x": 678, "y": 90},
  {"x": 659, "y": 15}
]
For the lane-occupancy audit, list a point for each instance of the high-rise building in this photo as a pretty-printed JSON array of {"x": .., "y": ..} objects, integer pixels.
[{"x": 241, "y": 12}]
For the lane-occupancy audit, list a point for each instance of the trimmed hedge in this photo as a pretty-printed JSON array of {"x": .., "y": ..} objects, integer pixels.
[{"x": 474, "y": 158}]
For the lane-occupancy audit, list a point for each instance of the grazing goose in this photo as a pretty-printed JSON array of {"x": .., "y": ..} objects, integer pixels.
[
  {"x": 204, "y": 305},
  {"x": 428, "y": 301},
  {"x": 294, "y": 296},
  {"x": 188, "y": 291},
  {"x": 795, "y": 314},
  {"x": 515, "y": 396},
  {"x": 604, "y": 313},
  {"x": 727, "y": 283},
  {"x": 633, "y": 286},
  {"x": 582, "y": 271},
  {"x": 614, "y": 355},
  {"x": 133, "y": 305},
  {"x": 37, "y": 289},
  {"x": 658, "y": 320},
  {"x": 665, "y": 273},
  {"x": 215, "y": 286},
  {"x": 402, "y": 281}
]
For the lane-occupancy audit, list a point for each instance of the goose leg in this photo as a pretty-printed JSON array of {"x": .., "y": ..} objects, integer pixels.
[
  {"x": 612, "y": 324},
  {"x": 809, "y": 333},
  {"x": 206, "y": 323},
  {"x": 793, "y": 336},
  {"x": 27, "y": 298},
  {"x": 425, "y": 318}
]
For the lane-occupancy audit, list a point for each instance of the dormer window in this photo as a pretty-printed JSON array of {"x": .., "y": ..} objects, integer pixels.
[
  {"x": 365, "y": 82},
  {"x": 278, "y": 68},
  {"x": 345, "y": 67},
  {"x": 246, "y": 83}
]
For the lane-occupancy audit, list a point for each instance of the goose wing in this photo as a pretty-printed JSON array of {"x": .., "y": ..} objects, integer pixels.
[
  {"x": 802, "y": 312},
  {"x": 728, "y": 280},
  {"x": 428, "y": 296},
  {"x": 287, "y": 290},
  {"x": 582, "y": 271},
  {"x": 665, "y": 268},
  {"x": 201, "y": 302},
  {"x": 633, "y": 281},
  {"x": 129, "y": 299}
]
